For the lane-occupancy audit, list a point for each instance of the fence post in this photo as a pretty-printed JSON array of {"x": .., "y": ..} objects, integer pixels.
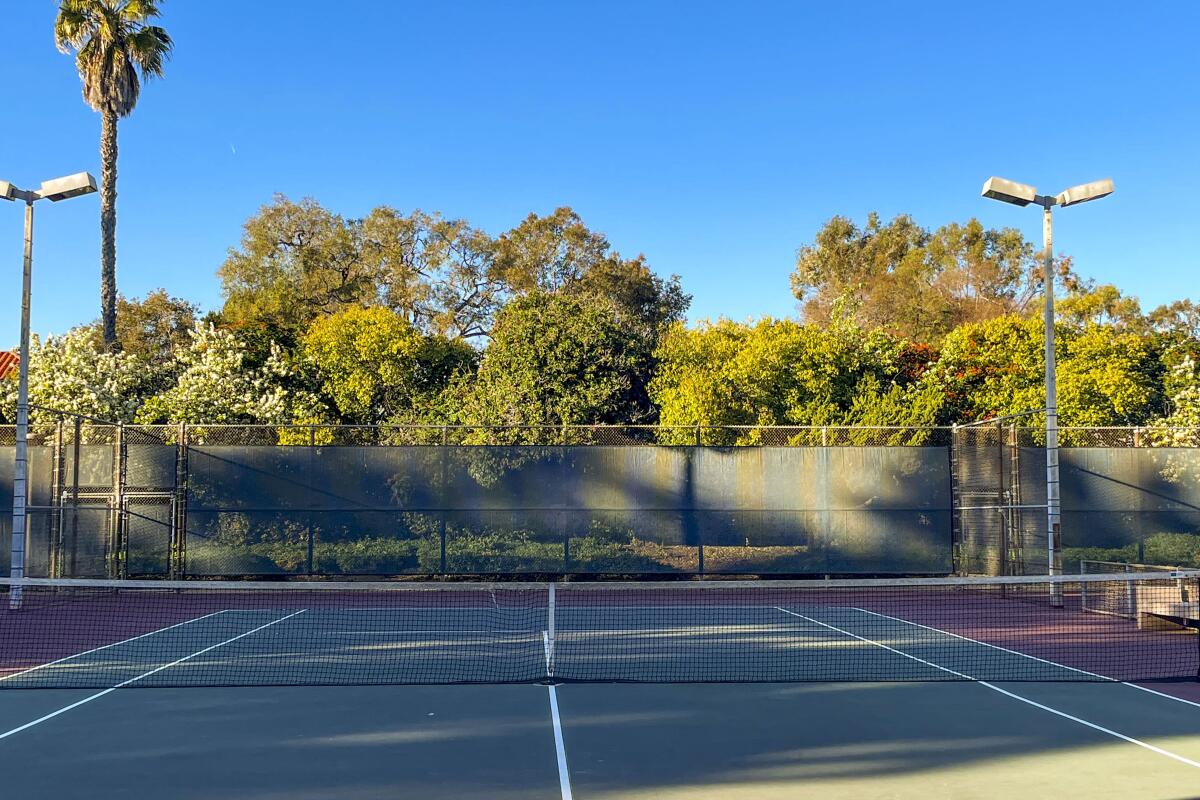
[
  {"x": 1001, "y": 500},
  {"x": 442, "y": 500},
  {"x": 956, "y": 526},
  {"x": 178, "y": 566},
  {"x": 118, "y": 566},
  {"x": 54, "y": 526},
  {"x": 75, "y": 455},
  {"x": 691, "y": 524},
  {"x": 309, "y": 533},
  {"x": 824, "y": 468}
]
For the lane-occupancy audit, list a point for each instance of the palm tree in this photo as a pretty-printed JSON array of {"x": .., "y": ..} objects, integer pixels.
[{"x": 115, "y": 50}]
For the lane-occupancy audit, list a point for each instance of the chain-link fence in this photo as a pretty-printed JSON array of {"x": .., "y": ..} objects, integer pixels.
[
  {"x": 1128, "y": 495},
  {"x": 222, "y": 500},
  {"x": 214, "y": 500}
]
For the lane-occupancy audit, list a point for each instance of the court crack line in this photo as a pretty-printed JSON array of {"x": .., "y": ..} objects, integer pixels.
[
  {"x": 122, "y": 684},
  {"x": 1005, "y": 692}
]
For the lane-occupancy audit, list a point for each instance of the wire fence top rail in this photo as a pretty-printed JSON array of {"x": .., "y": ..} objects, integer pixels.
[
  {"x": 703, "y": 584},
  {"x": 221, "y": 434},
  {"x": 1016, "y": 429}
]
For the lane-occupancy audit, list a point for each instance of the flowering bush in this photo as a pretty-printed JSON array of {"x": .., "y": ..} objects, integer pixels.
[
  {"x": 74, "y": 374},
  {"x": 220, "y": 383}
]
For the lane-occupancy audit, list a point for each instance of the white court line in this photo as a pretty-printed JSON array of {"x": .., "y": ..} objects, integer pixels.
[
  {"x": 583, "y": 609},
  {"x": 98, "y": 695},
  {"x": 1007, "y": 693},
  {"x": 673, "y": 630},
  {"x": 105, "y": 647},
  {"x": 431, "y": 632},
  {"x": 1034, "y": 658},
  {"x": 564, "y": 777}
]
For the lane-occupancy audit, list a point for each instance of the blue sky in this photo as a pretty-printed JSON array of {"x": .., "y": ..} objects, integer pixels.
[{"x": 713, "y": 137}]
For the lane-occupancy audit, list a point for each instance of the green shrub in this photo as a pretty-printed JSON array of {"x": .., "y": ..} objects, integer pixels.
[{"x": 1174, "y": 549}]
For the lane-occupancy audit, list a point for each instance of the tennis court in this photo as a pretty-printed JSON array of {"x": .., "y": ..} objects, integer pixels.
[{"x": 955, "y": 688}]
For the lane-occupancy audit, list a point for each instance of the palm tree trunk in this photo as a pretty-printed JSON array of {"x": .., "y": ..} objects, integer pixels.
[{"x": 108, "y": 228}]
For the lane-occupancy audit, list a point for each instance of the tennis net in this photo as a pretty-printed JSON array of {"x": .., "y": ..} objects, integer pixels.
[{"x": 102, "y": 634}]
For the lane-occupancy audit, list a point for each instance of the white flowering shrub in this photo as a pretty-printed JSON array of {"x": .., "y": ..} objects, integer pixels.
[
  {"x": 218, "y": 383},
  {"x": 73, "y": 373},
  {"x": 1181, "y": 428}
]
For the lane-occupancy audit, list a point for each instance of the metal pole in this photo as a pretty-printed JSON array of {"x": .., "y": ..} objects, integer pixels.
[
  {"x": 551, "y": 624},
  {"x": 1053, "y": 516},
  {"x": 54, "y": 529},
  {"x": 75, "y": 460},
  {"x": 21, "y": 467}
]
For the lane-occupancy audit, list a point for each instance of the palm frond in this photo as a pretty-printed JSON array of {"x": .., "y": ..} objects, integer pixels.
[
  {"x": 77, "y": 21},
  {"x": 149, "y": 48},
  {"x": 140, "y": 10}
]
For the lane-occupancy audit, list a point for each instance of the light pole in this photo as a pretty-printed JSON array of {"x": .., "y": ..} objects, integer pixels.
[
  {"x": 1022, "y": 195},
  {"x": 54, "y": 191}
]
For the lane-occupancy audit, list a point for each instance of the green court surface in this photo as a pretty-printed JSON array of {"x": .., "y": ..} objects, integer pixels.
[{"x": 687, "y": 741}]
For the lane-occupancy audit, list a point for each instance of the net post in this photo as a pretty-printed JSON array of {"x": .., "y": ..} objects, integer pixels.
[
  {"x": 1195, "y": 598},
  {"x": 550, "y": 630}
]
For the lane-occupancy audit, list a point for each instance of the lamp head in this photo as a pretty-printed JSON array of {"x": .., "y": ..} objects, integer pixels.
[
  {"x": 1085, "y": 192},
  {"x": 65, "y": 188},
  {"x": 1019, "y": 194}
]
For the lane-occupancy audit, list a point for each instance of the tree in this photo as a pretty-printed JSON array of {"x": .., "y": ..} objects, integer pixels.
[
  {"x": 153, "y": 327},
  {"x": 374, "y": 367},
  {"x": 779, "y": 372},
  {"x": 548, "y": 253},
  {"x": 115, "y": 51},
  {"x": 641, "y": 296},
  {"x": 437, "y": 273},
  {"x": 916, "y": 284},
  {"x": 559, "y": 253},
  {"x": 1089, "y": 304},
  {"x": 296, "y": 262},
  {"x": 996, "y": 368},
  {"x": 299, "y": 261},
  {"x": 557, "y": 359},
  {"x": 1180, "y": 317}
]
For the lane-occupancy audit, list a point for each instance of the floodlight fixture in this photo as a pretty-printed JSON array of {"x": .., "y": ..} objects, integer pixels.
[
  {"x": 65, "y": 188},
  {"x": 7, "y": 191},
  {"x": 1085, "y": 192},
  {"x": 1006, "y": 191}
]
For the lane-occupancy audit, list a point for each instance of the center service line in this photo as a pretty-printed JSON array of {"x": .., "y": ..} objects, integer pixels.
[{"x": 564, "y": 777}]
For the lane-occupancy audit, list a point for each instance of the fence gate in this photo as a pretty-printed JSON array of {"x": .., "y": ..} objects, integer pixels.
[
  {"x": 148, "y": 540},
  {"x": 998, "y": 481}
]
